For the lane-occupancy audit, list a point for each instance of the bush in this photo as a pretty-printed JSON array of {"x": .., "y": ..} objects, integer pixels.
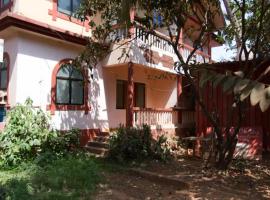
[
  {"x": 28, "y": 135},
  {"x": 129, "y": 143}
]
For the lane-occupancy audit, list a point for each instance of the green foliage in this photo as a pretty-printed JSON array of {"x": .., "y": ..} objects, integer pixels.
[
  {"x": 161, "y": 149},
  {"x": 129, "y": 143},
  {"x": 27, "y": 136},
  {"x": 71, "y": 177}
]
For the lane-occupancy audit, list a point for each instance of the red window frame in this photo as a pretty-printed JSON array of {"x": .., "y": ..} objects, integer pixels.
[{"x": 65, "y": 107}]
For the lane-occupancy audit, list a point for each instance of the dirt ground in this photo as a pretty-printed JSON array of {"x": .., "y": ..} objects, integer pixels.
[{"x": 245, "y": 180}]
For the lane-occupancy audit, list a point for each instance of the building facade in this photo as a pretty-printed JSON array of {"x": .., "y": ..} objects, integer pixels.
[{"x": 143, "y": 87}]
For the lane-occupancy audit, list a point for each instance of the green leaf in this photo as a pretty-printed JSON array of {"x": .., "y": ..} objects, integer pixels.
[
  {"x": 246, "y": 92},
  {"x": 219, "y": 79},
  {"x": 36, "y": 142},
  {"x": 240, "y": 85},
  {"x": 265, "y": 100},
  {"x": 267, "y": 92},
  {"x": 239, "y": 74},
  {"x": 257, "y": 94},
  {"x": 229, "y": 83},
  {"x": 205, "y": 77}
]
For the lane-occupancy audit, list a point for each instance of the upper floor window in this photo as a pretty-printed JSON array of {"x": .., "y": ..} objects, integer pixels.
[
  {"x": 4, "y": 73},
  {"x": 68, "y": 7},
  {"x": 69, "y": 86}
]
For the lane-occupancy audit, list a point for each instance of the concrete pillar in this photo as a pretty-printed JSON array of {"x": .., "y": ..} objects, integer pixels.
[{"x": 130, "y": 96}]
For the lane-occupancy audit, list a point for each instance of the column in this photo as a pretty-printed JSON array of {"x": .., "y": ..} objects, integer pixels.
[
  {"x": 179, "y": 92},
  {"x": 130, "y": 96}
]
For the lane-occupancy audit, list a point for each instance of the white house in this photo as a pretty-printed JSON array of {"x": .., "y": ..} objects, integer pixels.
[{"x": 40, "y": 37}]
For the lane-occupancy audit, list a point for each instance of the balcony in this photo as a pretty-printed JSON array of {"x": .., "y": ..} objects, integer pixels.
[{"x": 148, "y": 50}]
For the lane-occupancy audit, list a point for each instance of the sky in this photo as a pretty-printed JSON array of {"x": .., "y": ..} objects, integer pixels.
[{"x": 222, "y": 53}]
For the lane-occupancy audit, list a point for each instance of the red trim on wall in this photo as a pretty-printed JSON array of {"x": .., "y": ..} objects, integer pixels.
[
  {"x": 55, "y": 14},
  {"x": 53, "y": 107}
]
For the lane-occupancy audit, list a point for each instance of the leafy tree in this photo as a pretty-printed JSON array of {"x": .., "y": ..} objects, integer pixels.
[{"x": 253, "y": 44}]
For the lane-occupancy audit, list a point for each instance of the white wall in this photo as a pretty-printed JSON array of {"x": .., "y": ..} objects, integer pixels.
[
  {"x": 11, "y": 47},
  {"x": 36, "y": 59}
]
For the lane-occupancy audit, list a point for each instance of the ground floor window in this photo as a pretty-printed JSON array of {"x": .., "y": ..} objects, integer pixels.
[
  {"x": 69, "y": 86},
  {"x": 121, "y": 94}
]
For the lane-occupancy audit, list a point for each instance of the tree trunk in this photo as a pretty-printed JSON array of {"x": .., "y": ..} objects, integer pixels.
[
  {"x": 225, "y": 154},
  {"x": 236, "y": 25}
]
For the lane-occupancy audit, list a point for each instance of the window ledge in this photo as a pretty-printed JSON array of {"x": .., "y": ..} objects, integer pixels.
[{"x": 53, "y": 108}]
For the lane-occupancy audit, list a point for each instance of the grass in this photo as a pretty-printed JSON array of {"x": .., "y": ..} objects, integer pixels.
[{"x": 72, "y": 177}]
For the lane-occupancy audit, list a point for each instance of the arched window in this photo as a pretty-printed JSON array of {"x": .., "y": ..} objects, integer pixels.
[
  {"x": 69, "y": 85},
  {"x": 70, "y": 88}
]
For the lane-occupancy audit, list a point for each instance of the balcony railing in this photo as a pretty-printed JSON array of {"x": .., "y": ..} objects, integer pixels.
[
  {"x": 157, "y": 42},
  {"x": 158, "y": 117},
  {"x": 151, "y": 40}
]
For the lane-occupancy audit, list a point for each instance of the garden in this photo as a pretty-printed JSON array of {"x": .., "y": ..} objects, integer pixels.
[{"x": 38, "y": 162}]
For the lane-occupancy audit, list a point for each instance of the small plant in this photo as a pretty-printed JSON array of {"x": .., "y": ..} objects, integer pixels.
[
  {"x": 129, "y": 143},
  {"x": 161, "y": 148}
]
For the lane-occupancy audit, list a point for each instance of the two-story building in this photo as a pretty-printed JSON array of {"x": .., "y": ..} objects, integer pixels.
[{"x": 40, "y": 36}]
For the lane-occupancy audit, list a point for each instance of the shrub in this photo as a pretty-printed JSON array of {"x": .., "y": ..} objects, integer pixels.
[
  {"x": 27, "y": 135},
  {"x": 129, "y": 143}
]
